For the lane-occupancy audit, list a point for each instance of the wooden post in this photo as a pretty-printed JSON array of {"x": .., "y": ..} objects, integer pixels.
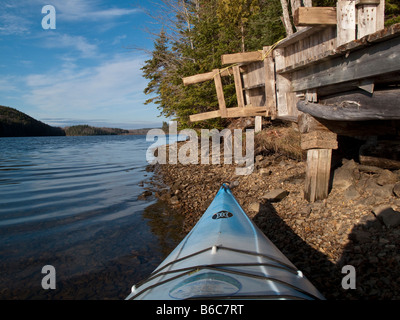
[
  {"x": 319, "y": 141},
  {"x": 317, "y": 174},
  {"x": 346, "y": 21},
  {"x": 270, "y": 92},
  {"x": 282, "y": 83},
  {"x": 370, "y": 14},
  {"x": 258, "y": 124},
  {"x": 220, "y": 93}
]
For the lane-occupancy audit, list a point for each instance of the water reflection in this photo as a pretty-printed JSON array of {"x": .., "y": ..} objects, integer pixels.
[{"x": 166, "y": 224}]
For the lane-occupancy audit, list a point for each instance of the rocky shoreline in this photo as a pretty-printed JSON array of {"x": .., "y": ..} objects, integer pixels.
[{"x": 358, "y": 224}]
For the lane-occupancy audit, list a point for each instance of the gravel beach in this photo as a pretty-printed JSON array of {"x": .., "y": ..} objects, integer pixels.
[{"x": 357, "y": 225}]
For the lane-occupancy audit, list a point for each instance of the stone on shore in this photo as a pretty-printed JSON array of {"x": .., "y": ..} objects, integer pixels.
[
  {"x": 388, "y": 216},
  {"x": 145, "y": 195},
  {"x": 275, "y": 195}
]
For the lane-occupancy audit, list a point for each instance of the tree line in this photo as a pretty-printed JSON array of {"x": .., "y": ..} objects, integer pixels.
[{"x": 194, "y": 35}]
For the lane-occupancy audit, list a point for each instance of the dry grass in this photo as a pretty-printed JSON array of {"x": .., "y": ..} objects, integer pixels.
[{"x": 283, "y": 140}]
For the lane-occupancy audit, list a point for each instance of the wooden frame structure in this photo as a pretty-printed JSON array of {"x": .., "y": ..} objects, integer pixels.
[
  {"x": 323, "y": 77},
  {"x": 249, "y": 86}
]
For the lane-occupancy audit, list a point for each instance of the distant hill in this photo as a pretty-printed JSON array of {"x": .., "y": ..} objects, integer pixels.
[
  {"x": 86, "y": 130},
  {"x": 14, "y": 123}
]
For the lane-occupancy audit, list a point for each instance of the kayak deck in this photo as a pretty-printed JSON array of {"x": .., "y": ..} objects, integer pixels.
[{"x": 225, "y": 256}]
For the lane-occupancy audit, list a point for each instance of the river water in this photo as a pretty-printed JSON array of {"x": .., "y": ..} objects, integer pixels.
[{"x": 72, "y": 203}]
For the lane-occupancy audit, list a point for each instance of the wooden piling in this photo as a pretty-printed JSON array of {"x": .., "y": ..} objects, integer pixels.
[{"x": 317, "y": 174}]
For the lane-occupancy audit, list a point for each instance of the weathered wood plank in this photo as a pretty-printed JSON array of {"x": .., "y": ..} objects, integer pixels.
[
  {"x": 197, "y": 78},
  {"x": 346, "y": 21},
  {"x": 270, "y": 92},
  {"x": 220, "y": 93},
  {"x": 230, "y": 113},
  {"x": 241, "y": 57},
  {"x": 257, "y": 124},
  {"x": 238, "y": 86},
  {"x": 317, "y": 174},
  {"x": 255, "y": 96},
  {"x": 204, "y": 116},
  {"x": 363, "y": 63},
  {"x": 201, "y": 77},
  {"x": 246, "y": 111},
  {"x": 310, "y": 16},
  {"x": 370, "y": 16},
  {"x": 299, "y": 35},
  {"x": 319, "y": 139},
  {"x": 253, "y": 75},
  {"x": 308, "y": 123},
  {"x": 356, "y": 106}
]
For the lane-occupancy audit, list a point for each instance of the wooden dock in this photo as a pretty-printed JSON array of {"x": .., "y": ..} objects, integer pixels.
[{"x": 338, "y": 75}]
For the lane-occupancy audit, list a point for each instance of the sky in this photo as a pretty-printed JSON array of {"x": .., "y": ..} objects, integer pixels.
[{"x": 82, "y": 70}]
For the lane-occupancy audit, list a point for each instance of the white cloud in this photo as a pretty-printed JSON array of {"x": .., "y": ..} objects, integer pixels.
[
  {"x": 75, "y": 10},
  {"x": 13, "y": 24},
  {"x": 79, "y": 43},
  {"x": 112, "y": 86},
  {"x": 7, "y": 83}
]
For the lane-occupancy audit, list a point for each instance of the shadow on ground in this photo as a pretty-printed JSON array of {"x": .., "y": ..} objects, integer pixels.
[{"x": 372, "y": 250}]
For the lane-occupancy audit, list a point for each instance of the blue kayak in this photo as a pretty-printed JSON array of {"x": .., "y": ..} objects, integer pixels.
[{"x": 225, "y": 256}]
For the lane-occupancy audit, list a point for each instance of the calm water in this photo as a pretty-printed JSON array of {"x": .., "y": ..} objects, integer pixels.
[{"x": 72, "y": 202}]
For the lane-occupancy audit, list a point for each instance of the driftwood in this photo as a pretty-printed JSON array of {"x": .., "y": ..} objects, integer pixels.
[{"x": 356, "y": 106}]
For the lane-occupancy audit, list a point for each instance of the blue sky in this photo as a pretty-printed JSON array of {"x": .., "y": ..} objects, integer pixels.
[{"x": 82, "y": 72}]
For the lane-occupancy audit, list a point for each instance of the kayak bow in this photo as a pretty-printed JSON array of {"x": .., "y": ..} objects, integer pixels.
[{"x": 225, "y": 256}]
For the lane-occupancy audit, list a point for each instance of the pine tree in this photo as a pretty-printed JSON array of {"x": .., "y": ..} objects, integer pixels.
[{"x": 155, "y": 69}]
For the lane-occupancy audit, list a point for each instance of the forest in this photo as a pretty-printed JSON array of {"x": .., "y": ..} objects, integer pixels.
[
  {"x": 194, "y": 35},
  {"x": 86, "y": 130}
]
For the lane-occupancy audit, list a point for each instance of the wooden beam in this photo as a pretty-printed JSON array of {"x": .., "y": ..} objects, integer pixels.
[
  {"x": 308, "y": 123},
  {"x": 363, "y": 2},
  {"x": 201, "y": 77},
  {"x": 197, "y": 78},
  {"x": 248, "y": 111},
  {"x": 236, "y": 112},
  {"x": 356, "y": 106},
  {"x": 312, "y": 16},
  {"x": 319, "y": 139},
  {"x": 220, "y": 93},
  {"x": 317, "y": 174},
  {"x": 238, "y": 86},
  {"x": 241, "y": 57},
  {"x": 375, "y": 60},
  {"x": 204, "y": 116},
  {"x": 299, "y": 35}
]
